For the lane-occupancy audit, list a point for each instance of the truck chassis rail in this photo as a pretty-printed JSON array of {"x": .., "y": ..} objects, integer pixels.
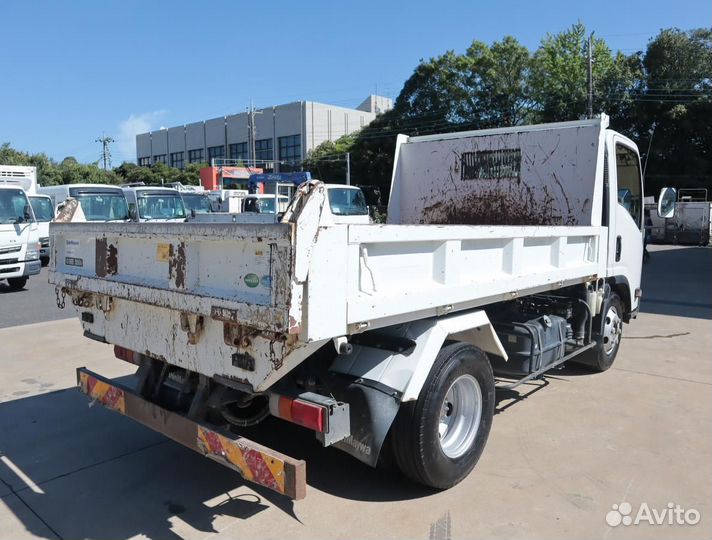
[{"x": 254, "y": 462}]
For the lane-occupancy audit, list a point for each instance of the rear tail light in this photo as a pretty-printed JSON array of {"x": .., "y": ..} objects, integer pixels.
[
  {"x": 125, "y": 354},
  {"x": 298, "y": 411}
]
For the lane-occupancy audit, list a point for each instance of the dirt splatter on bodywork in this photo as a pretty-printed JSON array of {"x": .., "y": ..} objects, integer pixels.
[{"x": 513, "y": 178}]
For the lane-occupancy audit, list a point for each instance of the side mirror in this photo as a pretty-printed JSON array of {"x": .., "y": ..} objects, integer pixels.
[
  {"x": 666, "y": 202},
  {"x": 192, "y": 213},
  {"x": 133, "y": 214}
]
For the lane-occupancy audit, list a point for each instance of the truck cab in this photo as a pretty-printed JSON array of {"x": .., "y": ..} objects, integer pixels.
[
  {"x": 154, "y": 203},
  {"x": 19, "y": 237},
  {"x": 347, "y": 205},
  {"x": 260, "y": 203},
  {"x": 197, "y": 203},
  {"x": 44, "y": 214},
  {"x": 622, "y": 214},
  {"x": 98, "y": 202}
]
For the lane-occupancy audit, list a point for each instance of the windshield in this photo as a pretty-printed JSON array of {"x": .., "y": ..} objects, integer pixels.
[
  {"x": 160, "y": 206},
  {"x": 103, "y": 206},
  {"x": 199, "y": 203},
  {"x": 263, "y": 205},
  {"x": 13, "y": 204},
  {"x": 234, "y": 183},
  {"x": 42, "y": 207},
  {"x": 347, "y": 202}
]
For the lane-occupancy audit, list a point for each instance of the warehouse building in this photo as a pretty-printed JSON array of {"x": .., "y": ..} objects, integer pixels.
[{"x": 274, "y": 138}]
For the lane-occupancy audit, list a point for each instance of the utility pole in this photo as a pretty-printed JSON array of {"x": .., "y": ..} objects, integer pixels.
[
  {"x": 651, "y": 132},
  {"x": 348, "y": 168},
  {"x": 252, "y": 131},
  {"x": 590, "y": 76},
  {"x": 105, "y": 152}
]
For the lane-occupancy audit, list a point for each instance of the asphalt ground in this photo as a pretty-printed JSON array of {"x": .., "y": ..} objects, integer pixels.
[
  {"x": 561, "y": 454},
  {"x": 36, "y": 302}
]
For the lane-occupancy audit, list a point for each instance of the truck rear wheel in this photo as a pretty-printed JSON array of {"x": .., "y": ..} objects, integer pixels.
[
  {"x": 17, "y": 283},
  {"x": 607, "y": 332},
  {"x": 438, "y": 438}
]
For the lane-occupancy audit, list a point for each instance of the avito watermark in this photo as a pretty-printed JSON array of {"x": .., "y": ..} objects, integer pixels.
[{"x": 672, "y": 514}]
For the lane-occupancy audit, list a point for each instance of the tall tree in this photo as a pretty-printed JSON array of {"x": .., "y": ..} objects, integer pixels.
[
  {"x": 675, "y": 106},
  {"x": 496, "y": 80},
  {"x": 559, "y": 77}
]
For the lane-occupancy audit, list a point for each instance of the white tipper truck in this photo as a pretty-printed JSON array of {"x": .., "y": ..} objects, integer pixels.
[
  {"x": 506, "y": 253},
  {"x": 19, "y": 233}
]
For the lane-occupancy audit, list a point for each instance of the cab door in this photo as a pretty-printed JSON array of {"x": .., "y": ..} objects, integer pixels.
[{"x": 625, "y": 215}]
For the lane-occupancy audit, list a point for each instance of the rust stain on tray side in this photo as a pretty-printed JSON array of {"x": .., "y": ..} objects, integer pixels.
[
  {"x": 100, "y": 257},
  {"x": 112, "y": 260},
  {"x": 106, "y": 261},
  {"x": 176, "y": 264}
]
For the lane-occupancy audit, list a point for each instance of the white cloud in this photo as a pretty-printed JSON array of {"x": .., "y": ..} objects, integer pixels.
[{"x": 129, "y": 128}]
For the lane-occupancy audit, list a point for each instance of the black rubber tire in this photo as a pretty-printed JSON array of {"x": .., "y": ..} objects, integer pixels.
[
  {"x": 44, "y": 261},
  {"x": 415, "y": 437},
  {"x": 596, "y": 358},
  {"x": 17, "y": 283}
]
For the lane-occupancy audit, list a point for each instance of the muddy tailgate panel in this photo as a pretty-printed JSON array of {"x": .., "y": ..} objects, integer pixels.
[{"x": 233, "y": 272}]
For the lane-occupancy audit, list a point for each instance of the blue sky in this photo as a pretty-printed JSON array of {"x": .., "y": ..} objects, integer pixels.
[{"x": 75, "y": 69}]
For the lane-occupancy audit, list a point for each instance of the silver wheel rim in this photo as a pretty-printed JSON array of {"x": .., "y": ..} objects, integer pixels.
[
  {"x": 612, "y": 329},
  {"x": 460, "y": 415}
]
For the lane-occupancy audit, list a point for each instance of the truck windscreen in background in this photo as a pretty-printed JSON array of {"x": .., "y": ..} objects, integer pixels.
[
  {"x": 491, "y": 165},
  {"x": 13, "y": 206},
  {"x": 107, "y": 205},
  {"x": 199, "y": 203},
  {"x": 42, "y": 207},
  {"x": 347, "y": 202},
  {"x": 160, "y": 206}
]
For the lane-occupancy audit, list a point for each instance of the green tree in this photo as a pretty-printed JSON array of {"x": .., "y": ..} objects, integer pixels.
[
  {"x": 559, "y": 78},
  {"x": 190, "y": 175},
  {"x": 675, "y": 104},
  {"x": 485, "y": 87},
  {"x": 497, "y": 83},
  {"x": 327, "y": 161}
]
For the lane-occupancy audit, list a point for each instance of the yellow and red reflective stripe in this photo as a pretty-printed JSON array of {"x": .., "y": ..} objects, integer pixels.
[
  {"x": 256, "y": 463},
  {"x": 252, "y": 464},
  {"x": 109, "y": 396}
]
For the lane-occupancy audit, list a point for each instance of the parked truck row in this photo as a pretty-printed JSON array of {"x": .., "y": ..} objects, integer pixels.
[
  {"x": 506, "y": 252},
  {"x": 138, "y": 203}
]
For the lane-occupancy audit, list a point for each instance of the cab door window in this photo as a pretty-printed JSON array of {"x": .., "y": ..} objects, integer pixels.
[{"x": 630, "y": 192}]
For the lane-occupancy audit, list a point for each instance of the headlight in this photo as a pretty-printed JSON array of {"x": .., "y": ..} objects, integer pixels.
[{"x": 33, "y": 252}]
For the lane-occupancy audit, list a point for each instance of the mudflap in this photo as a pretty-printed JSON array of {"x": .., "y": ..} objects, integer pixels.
[{"x": 373, "y": 407}]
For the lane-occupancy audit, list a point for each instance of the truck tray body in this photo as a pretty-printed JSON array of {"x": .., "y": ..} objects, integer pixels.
[{"x": 247, "y": 302}]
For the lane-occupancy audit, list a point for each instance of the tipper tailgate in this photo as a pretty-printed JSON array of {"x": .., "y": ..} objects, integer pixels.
[{"x": 230, "y": 272}]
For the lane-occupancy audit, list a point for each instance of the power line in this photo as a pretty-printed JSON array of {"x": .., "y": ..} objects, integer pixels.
[{"x": 590, "y": 76}]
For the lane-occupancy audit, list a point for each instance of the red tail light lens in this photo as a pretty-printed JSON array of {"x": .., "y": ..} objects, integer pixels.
[
  {"x": 303, "y": 413},
  {"x": 125, "y": 354}
]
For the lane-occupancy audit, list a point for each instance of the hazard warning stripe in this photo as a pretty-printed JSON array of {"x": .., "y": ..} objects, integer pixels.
[
  {"x": 253, "y": 461},
  {"x": 109, "y": 396},
  {"x": 254, "y": 465}
]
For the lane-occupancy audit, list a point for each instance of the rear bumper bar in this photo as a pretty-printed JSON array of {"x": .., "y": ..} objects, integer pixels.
[{"x": 253, "y": 461}]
